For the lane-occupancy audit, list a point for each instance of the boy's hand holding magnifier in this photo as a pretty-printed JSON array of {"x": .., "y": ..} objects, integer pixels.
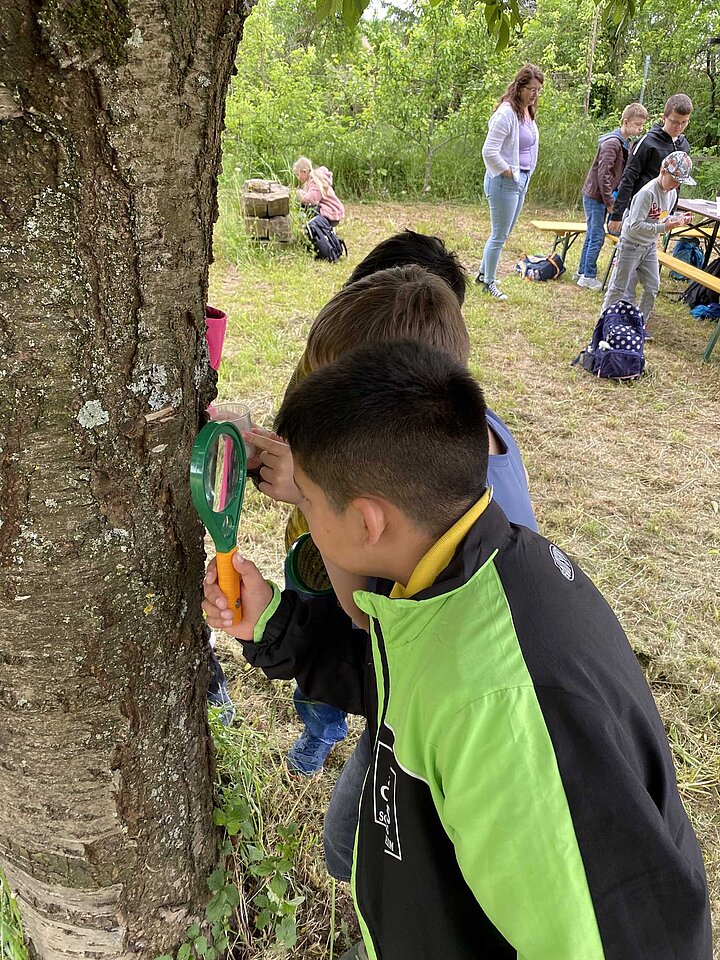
[{"x": 255, "y": 595}]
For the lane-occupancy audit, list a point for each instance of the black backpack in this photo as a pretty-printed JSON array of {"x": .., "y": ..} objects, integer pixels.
[
  {"x": 616, "y": 351},
  {"x": 535, "y": 267},
  {"x": 325, "y": 242},
  {"x": 697, "y": 295}
]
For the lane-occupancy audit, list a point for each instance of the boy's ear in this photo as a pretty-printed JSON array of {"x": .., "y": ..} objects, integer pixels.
[{"x": 373, "y": 517}]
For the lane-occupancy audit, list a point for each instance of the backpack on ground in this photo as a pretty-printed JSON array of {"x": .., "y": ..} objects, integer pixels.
[
  {"x": 535, "y": 267},
  {"x": 325, "y": 242},
  {"x": 616, "y": 351},
  {"x": 698, "y": 295},
  {"x": 688, "y": 251}
]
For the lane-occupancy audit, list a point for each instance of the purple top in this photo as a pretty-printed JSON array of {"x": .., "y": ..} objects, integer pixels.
[{"x": 527, "y": 142}]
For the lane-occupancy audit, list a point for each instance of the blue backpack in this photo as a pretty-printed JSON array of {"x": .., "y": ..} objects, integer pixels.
[
  {"x": 689, "y": 252},
  {"x": 325, "y": 242},
  {"x": 616, "y": 351}
]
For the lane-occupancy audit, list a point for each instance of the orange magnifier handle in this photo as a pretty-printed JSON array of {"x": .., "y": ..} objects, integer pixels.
[{"x": 229, "y": 582}]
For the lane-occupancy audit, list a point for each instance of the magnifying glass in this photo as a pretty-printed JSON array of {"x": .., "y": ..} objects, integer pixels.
[
  {"x": 305, "y": 569},
  {"x": 217, "y": 485}
]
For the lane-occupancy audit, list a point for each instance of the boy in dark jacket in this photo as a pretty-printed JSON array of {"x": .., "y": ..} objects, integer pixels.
[
  {"x": 601, "y": 185},
  {"x": 521, "y": 800},
  {"x": 650, "y": 151}
]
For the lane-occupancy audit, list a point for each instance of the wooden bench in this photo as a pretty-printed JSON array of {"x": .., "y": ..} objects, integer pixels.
[
  {"x": 699, "y": 276},
  {"x": 568, "y": 232},
  {"x": 565, "y": 233}
]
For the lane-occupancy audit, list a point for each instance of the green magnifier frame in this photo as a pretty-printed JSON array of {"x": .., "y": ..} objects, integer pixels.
[
  {"x": 305, "y": 570},
  {"x": 218, "y": 473}
]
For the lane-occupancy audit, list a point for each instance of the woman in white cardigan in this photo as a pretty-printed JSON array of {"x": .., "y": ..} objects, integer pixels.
[{"x": 510, "y": 153}]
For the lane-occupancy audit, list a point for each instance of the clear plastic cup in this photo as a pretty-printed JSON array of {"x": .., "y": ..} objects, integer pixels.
[{"x": 237, "y": 413}]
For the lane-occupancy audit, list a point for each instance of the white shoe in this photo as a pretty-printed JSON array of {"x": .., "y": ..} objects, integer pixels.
[
  {"x": 494, "y": 290},
  {"x": 577, "y": 276},
  {"x": 590, "y": 283}
]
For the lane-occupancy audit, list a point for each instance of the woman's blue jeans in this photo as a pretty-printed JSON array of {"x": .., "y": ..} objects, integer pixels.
[
  {"x": 595, "y": 213},
  {"x": 506, "y": 198}
]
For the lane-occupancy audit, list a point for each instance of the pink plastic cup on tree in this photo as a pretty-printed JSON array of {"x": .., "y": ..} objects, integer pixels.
[{"x": 215, "y": 327}]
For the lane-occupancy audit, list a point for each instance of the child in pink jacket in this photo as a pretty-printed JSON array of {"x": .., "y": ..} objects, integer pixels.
[{"x": 316, "y": 190}]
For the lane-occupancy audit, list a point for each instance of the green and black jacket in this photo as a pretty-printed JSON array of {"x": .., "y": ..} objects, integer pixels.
[{"x": 521, "y": 803}]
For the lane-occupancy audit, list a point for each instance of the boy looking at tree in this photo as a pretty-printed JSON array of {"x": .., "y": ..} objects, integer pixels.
[
  {"x": 600, "y": 188},
  {"x": 522, "y": 799},
  {"x": 648, "y": 217},
  {"x": 387, "y": 307}
]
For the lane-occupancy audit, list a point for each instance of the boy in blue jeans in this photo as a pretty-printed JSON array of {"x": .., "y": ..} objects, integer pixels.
[
  {"x": 521, "y": 799},
  {"x": 600, "y": 188}
]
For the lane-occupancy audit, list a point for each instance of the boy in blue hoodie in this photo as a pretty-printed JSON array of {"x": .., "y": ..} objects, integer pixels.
[{"x": 600, "y": 188}]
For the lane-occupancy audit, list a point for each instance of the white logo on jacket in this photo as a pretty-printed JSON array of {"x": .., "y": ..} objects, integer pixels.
[
  {"x": 562, "y": 562},
  {"x": 385, "y": 799}
]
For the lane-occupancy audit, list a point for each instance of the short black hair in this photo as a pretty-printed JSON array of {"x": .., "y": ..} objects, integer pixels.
[
  {"x": 409, "y": 247},
  {"x": 402, "y": 421}
]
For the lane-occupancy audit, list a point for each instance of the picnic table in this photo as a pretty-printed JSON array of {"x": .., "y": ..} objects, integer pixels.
[
  {"x": 567, "y": 232},
  {"x": 708, "y": 226}
]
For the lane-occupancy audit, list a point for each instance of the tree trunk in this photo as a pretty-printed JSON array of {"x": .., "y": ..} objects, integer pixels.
[{"x": 110, "y": 121}]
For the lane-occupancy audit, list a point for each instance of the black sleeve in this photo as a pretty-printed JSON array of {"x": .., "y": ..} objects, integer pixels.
[
  {"x": 630, "y": 177},
  {"x": 314, "y": 642}
]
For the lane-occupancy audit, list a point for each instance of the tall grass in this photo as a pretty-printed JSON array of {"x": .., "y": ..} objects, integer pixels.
[{"x": 12, "y": 940}]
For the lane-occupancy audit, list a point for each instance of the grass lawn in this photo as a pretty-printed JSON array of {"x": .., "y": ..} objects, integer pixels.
[{"x": 624, "y": 477}]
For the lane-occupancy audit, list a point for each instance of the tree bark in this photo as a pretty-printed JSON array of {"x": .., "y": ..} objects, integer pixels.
[{"x": 110, "y": 122}]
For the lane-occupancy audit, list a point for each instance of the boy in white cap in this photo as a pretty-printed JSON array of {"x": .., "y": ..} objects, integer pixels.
[{"x": 647, "y": 217}]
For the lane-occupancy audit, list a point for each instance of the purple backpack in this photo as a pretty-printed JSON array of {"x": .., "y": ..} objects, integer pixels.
[{"x": 616, "y": 351}]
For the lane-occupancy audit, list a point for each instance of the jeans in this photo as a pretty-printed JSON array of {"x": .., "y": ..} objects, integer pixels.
[
  {"x": 343, "y": 811},
  {"x": 506, "y": 198},
  {"x": 595, "y": 212},
  {"x": 634, "y": 261}
]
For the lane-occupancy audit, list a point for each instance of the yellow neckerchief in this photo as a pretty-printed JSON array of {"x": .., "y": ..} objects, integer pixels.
[{"x": 440, "y": 553}]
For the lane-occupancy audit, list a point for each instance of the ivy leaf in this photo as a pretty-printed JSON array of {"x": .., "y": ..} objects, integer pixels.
[
  {"x": 201, "y": 946},
  {"x": 183, "y": 951},
  {"x": 286, "y": 932},
  {"x": 232, "y": 894},
  {"x": 278, "y": 885},
  {"x": 216, "y": 880}
]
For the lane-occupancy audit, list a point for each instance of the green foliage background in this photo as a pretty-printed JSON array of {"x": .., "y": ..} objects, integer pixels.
[{"x": 397, "y": 106}]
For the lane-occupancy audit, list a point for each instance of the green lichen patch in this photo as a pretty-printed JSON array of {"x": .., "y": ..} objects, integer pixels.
[{"x": 85, "y": 31}]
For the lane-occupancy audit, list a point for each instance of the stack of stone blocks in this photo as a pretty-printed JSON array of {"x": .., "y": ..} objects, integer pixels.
[{"x": 266, "y": 210}]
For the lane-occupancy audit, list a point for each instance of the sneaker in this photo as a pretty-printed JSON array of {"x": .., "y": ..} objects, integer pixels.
[
  {"x": 576, "y": 276},
  {"x": 357, "y": 952},
  {"x": 590, "y": 283},
  {"x": 480, "y": 279},
  {"x": 494, "y": 290},
  {"x": 218, "y": 696},
  {"x": 307, "y": 755},
  {"x": 648, "y": 335}
]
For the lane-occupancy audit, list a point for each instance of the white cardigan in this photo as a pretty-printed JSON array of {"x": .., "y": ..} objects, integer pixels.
[{"x": 502, "y": 143}]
